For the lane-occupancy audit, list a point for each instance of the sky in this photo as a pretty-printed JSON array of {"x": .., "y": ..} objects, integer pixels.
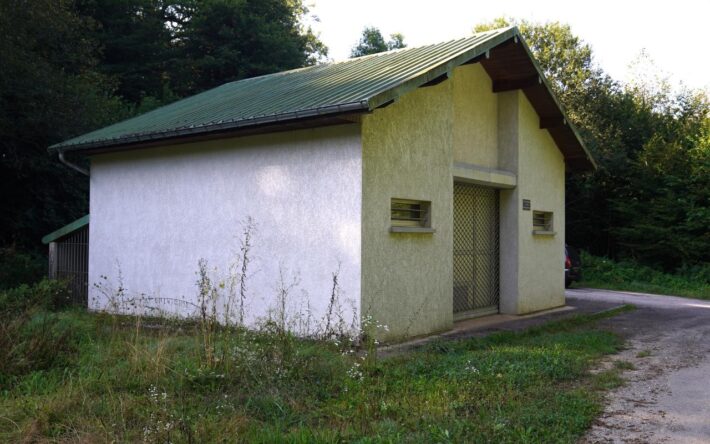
[{"x": 671, "y": 33}]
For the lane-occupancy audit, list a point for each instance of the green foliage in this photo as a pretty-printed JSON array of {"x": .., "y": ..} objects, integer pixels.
[
  {"x": 32, "y": 342},
  {"x": 159, "y": 51},
  {"x": 18, "y": 267},
  {"x": 396, "y": 41},
  {"x": 663, "y": 203},
  {"x": 147, "y": 381},
  {"x": 135, "y": 45},
  {"x": 31, "y": 337},
  {"x": 45, "y": 294},
  {"x": 372, "y": 42},
  {"x": 49, "y": 91},
  {"x": 230, "y": 40},
  {"x": 629, "y": 275}
]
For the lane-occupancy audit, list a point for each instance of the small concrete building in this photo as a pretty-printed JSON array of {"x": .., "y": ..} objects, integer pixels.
[{"x": 430, "y": 179}]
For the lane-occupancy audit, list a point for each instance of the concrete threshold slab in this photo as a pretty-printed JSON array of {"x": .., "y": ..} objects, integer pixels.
[
  {"x": 485, "y": 325},
  {"x": 472, "y": 324}
]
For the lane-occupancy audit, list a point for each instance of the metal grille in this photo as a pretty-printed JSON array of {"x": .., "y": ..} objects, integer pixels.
[
  {"x": 410, "y": 212},
  {"x": 69, "y": 260},
  {"x": 476, "y": 257}
]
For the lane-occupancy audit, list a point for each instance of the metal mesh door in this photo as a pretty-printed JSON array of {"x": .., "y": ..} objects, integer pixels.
[
  {"x": 476, "y": 234},
  {"x": 70, "y": 262}
]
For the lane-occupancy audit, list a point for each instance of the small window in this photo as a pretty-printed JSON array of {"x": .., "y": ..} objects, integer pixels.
[
  {"x": 542, "y": 222},
  {"x": 411, "y": 215}
]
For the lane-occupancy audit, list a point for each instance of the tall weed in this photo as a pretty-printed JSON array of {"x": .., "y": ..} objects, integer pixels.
[{"x": 32, "y": 341}]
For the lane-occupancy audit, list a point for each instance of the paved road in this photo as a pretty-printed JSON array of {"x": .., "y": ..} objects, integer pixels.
[{"x": 667, "y": 397}]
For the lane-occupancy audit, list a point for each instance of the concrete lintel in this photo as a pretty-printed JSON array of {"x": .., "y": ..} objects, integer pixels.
[
  {"x": 466, "y": 172},
  {"x": 424, "y": 230}
]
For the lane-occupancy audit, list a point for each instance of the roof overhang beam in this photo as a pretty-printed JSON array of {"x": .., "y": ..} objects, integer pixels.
[
  {"x": 511, "y": 67},
  {"x": 513, "y": 84},
  {"x": 547, "y": 122}
]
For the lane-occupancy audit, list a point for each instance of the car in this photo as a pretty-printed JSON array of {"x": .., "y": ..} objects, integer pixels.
[{"x": 573, "y": 266}]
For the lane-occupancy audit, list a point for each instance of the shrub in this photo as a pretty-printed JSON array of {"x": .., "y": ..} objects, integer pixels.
[
  {"x": 18, "y": 268},
  {"x": 45, "y": 294},
  {"x": 629, "y": 275}
]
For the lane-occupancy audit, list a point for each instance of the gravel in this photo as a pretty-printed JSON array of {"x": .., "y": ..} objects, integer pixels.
[{"x": 667, "y": 395}]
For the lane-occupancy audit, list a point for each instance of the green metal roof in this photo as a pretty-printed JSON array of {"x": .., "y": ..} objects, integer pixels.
[
  {"x": 66, "y": 229},
  {"x": 358, "y": 84}
]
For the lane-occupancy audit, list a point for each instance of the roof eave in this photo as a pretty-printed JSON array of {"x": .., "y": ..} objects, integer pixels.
[
  {"x": 353, "y": 107},
  {"x": 571, "y": 126},
  {"x": 66, "y": 230}
]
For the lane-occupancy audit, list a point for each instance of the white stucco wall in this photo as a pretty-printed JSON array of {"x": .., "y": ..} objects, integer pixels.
[{"x": 156, "y": 212}]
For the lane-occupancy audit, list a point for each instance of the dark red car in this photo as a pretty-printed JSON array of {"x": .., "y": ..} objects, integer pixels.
[{"x": 573, "y": 266}]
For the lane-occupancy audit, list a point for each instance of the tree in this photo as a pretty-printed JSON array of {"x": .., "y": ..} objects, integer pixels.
[
  {"x": 664, "y": 206},
  {"x": 49, "y": 91},
  {"x": 226, "y": 40},
  {"x": 136, "y": 45},
  {"x": 372, "y": 42},
  {"x": 161, "y": 50}
]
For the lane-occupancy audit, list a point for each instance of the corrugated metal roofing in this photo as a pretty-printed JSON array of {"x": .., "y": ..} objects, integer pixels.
[
  {"x": 66, "y": 230},
  {"x": 363, "y": 83}
]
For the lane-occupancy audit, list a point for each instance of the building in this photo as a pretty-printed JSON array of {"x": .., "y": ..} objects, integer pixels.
[{"x": 432, "y": 178}]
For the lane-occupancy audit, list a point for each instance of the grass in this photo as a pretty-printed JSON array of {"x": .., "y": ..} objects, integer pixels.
[
  {"x": 599, "y": 272},
  {"x": 123, "y": 379},
  {"x": 624, "y": 365}
]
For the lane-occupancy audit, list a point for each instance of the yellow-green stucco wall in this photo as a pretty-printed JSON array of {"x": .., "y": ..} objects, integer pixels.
[
  {"x": 409, "y": 150},
  {"x": 541, "y": 178},
  {"x": 531, "y": 265},
  {"x": 407, "y": 153},
  {"x": 475, "y": 117}
]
